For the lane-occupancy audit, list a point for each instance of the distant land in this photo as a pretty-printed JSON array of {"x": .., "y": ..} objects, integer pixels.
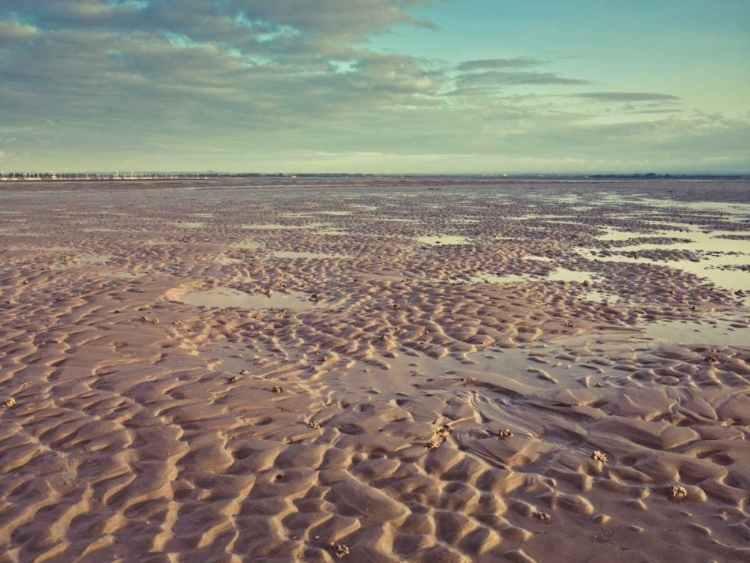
[{"x": 161, "y": 176}]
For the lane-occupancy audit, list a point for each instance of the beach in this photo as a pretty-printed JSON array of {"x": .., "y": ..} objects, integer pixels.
[{"x": 375, "y": 370}]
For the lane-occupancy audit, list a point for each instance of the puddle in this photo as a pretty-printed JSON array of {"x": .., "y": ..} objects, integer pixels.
[
  {"x": 714, "y": 252},
  {"x": 563, "y": 274},
  {"x": 58, "y": 248},
  {"x": 335, "y": 232},
  {"x": 381, "y": 277},
  {"x": 717, "y": 333},
  {"x": 228, "y": 297},
  {"x": 100, "y": 259},
  {"x": 491, "y": 278},
  {"x": 535, "y": 367},
  {"x": 701, "y": 241},
  {"x": 615, "y": 235},
  {"x": 82, "y": 261},
  {"x": 601, "y": 297},
  {"x": 444, "y": 240},
  {"x": 247, "y": 245},
  {"x": 278, "y": 227},
  {"x": 310, "y": 255},
  {"x": 539, "y": 258}
]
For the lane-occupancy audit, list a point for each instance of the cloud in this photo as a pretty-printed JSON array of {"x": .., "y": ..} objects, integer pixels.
[
  {"x": 627, "y": 97},
  {"x": 493, "y": 64},
  {"x": 12, "y": 32},
  {"x": 495, "y": 79},
  {"x": 199, "y": 19}
]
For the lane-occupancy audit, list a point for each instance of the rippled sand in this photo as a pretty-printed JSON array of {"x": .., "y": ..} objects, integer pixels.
[{"x": 375, "y": 370}]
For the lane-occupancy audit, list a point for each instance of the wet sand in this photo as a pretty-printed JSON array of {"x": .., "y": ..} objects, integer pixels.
[{"x": 375, "y": 370}]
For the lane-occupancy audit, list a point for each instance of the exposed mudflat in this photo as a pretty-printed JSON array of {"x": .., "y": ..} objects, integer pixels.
[{"x": 376, "y": 370}]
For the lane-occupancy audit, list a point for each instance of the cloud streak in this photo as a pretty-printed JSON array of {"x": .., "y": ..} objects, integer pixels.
[
  {"x": 627, "y": 97},
  {"x": 494, "y": 64}
]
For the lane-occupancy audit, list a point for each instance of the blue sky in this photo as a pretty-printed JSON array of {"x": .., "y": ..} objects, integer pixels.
[{"x": 454, "y": 86}]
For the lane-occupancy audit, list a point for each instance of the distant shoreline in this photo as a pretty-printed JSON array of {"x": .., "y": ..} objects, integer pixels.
[{"x": 13, "y": 178}]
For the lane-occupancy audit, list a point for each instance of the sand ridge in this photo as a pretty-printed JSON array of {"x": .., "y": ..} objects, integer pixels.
[{"x": 414, "y": 413}]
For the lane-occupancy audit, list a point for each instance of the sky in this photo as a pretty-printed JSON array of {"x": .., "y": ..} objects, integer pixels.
[{"x": 376, "y": 86}]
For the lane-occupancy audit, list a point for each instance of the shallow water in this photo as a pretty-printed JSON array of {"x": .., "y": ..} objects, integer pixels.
[
  {"x": 713, "y": 253},
  {"x": 309, "y": 255},
  {"x": 97, "y": 259},
  {"x": 444, "y": 240},
  {"x": 563, "y": 274},
  {"x": 490, "y": 278},
  {"x": 277, "y": 227},
  {"x": 226, "y": 261},
  {"x": 717, "y": 333},
  {"x": 247, "y": 245},
  {"x": 227, "y": 297}
]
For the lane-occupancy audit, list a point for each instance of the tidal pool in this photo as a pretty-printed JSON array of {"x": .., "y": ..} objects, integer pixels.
[
  {"x": 725, "y": 333},
  {"x": 227, "y": 297}
]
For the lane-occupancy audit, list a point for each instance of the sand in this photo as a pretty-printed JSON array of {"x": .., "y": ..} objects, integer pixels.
[{"x": 375, "y": 370}]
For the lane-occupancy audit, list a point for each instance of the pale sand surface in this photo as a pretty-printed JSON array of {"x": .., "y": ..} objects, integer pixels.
[{"x": 411, "y": 370}]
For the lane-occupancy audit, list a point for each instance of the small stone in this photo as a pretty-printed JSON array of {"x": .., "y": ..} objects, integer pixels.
[
  {"x": 468, "y": 380},
  {"x": 598, "y": 385},
  {"x": 339, "y": 550},
  {"x": 313, "y": 424},
  {"x": 277, "y": 389},
  {"x": 9, "y": 403},
  {"x": 505, "y": 433},
  {"x": 599, "y": 456},
  {"x": 677, "y": 493},
  {"x": 234, "y": 379},
  {"x": 244, "y": 372},
  {"x": 543, "y": 517},
  {"x": 432, "y": 445},
  {"x": 444, "y": 431},
  {"x": 711, "y": 359}
]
